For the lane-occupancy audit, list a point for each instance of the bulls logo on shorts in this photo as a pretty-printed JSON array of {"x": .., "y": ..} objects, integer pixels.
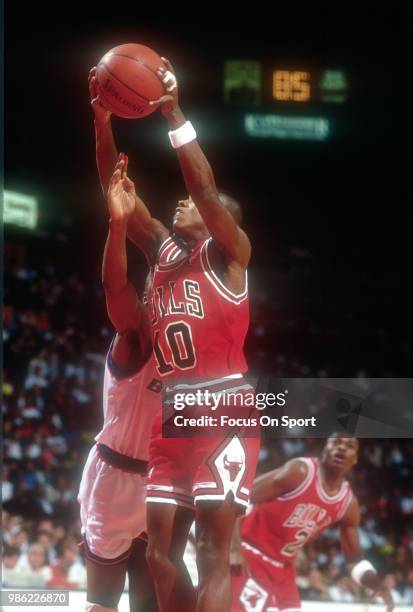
[
  {"x": 230, "y": 463},
  {"x": 227, "y": 465},
  {"x": 233, "y": 464},
  {"x": 253, "y": 597}
]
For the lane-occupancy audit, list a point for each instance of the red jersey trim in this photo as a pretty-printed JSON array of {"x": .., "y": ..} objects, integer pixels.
[
  {"x": 167, "y": 254},
  {"x": 345, "y": 506},
  {"x": 163, "y": 246},
  {"x": 235, "y": 298},
  {"x": 173, "y": 254},
  {"x": 171, "y": 266},
  {"x": 328, "y": 499}
]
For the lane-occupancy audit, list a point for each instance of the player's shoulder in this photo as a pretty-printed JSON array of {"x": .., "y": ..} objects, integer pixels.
[
  {"x": 301, "y": 465},
  {"x": 298, "y": 471},
  {"x": 240, "y": 256}
]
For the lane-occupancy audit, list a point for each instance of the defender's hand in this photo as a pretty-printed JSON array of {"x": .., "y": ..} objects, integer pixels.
[
  {"x": 121, "y": 192},
  {"x": 101, "y": 113},
  {"x": 168, "y": 102}
]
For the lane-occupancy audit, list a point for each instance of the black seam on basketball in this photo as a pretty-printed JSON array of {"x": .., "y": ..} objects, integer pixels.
[
  {"x": 135, "y": 59},
  {"x": 122, "y": 83}
]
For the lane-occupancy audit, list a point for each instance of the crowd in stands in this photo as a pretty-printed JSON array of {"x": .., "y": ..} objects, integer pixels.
[{"x": 55, "y": 335}]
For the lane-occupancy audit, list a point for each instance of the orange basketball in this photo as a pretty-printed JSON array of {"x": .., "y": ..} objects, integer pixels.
[{"x": 127, "y": 80}]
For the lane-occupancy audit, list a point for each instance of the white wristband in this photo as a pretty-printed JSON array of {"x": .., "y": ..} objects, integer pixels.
[
  {"x": 182, "y": 135},
  {"x": 360, "y": 569}
]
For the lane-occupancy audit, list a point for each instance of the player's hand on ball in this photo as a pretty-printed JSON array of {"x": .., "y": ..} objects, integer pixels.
[
  {"x": 101, "y": 113},
  {"x": 169, "y": 101},
  {"x": 121, "y": 192}
]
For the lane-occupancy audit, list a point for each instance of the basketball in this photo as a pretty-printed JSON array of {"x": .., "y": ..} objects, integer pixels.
[{"x": 127, "y": 80}]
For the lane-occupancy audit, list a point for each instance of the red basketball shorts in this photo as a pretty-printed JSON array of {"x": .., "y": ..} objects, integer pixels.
[
  {"x": 185, "y": 471},
  {"x": 270, "y": 587}
]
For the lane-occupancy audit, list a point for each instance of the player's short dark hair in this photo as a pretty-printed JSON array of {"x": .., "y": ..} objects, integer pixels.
[
  {"x": 232, "y": 205},
  {"x": 341, "y": 434}
]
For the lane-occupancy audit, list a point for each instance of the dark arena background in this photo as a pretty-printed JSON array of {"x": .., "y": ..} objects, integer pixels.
[{"x": 303, "y": 119}]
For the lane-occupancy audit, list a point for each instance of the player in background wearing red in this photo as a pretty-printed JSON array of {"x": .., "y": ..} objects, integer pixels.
[
  {"x": 292, "y": 505},
  {"x": 112, "y": 489}
]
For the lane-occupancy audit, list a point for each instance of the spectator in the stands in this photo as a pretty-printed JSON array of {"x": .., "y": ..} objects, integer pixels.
[
  {"x": 68, "y": 572},
  {"x": 32, "y": 571}
]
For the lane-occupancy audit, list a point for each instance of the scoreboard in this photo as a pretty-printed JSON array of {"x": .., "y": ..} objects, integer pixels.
[
  {"x": 291, "y": 85},
  {"x": 248, "y": 82},
  {"x": 304, "y": 86},
  {"x": 285, "y": 101}
]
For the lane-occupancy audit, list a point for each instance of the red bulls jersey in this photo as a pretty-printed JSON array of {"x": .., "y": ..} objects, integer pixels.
[
  {"x": 278, "y": 529},
  {"x": 198, "y": 325}
]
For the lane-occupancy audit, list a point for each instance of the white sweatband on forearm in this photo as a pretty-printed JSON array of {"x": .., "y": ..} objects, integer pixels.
[
  {"x": 182, "y": 135},
  {"x": 360, "y": 569}
]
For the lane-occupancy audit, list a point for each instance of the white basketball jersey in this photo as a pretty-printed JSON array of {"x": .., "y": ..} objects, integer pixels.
[{"x": 130, "y": 405}]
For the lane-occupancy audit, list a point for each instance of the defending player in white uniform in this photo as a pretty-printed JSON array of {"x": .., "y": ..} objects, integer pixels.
[
  {"x": 114, "y": 475},
  {"x": 112, "y": 492}
]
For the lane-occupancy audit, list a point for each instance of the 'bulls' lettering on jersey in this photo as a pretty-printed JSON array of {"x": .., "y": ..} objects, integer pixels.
[
  {"x": 311, "y": 519},
  {"x": 173, "y": 308},
  {"x": 198, "y": 325},
  {"x": 162, "y": 309},
  {"x": 280, "y": 527},
  {"x": 154, "y": 319},
  {"x": 191, "y": 305},
  {"x": 303, "y": 516},
  {"x": 193, "y": 295}
]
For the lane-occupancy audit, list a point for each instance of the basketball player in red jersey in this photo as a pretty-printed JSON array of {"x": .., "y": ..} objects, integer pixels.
[
  {"x": 200, "y": 318},
  {"x": 112, "y": 489},
  {"x": 292, "y": 505}
]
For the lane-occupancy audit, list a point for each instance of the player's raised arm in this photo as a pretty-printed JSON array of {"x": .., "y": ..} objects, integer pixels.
[
  {"x": 230, "y": 239},
  {"x": 125, "y": 310},
  {"x": 279, "y": 482},
  {"x": 106, "y": 152},
  {"x": 145, "y": 231},
  {"x": 361, "y": 570}
]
